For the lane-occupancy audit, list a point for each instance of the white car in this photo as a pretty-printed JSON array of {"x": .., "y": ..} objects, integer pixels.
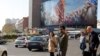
[
  {"x": 3, "y": 51},
  {"x": 21, "y": 41}
]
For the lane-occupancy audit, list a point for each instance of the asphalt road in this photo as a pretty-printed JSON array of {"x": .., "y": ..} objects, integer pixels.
[{"x": 73, "y": 50}]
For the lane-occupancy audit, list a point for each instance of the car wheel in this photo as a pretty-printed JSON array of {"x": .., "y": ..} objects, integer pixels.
[
  {"x": 4, "y": 54},
  {"x": 16, "y": 46},
  {"x": 42, "y": 49},
  {"x": 29, "y": 49}
]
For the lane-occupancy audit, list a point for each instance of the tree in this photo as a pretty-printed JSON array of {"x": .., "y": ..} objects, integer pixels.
[{"x": 9, "y": 28}]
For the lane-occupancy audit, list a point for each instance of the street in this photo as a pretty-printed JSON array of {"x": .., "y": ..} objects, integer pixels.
[{"x": 73, "y": 50}]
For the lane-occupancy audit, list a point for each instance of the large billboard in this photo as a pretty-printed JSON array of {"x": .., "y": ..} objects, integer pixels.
[{"x": 69, "y": 12}]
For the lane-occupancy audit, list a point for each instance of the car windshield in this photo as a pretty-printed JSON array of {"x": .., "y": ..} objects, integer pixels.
[
  {"x": 28, "y": 38},
  {"x": 36, "y": 39},
  {"x": 20, "y": 38}
]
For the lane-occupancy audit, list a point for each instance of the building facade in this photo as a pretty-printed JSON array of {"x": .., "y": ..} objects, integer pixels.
[
  {"x": 35, "y": 13},
  {"x": 22, "y": 24},
  {"x": 74, "y": 17},
  {"x": 25, "y": 22},
  {"x": 8, "y": 21},
  {"x": 19, "y": 25}
]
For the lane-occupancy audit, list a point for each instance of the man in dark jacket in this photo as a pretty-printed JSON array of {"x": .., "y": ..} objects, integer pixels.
[
  {"x": 93, "y": 41},
  {"x": 63, "y": 40}
]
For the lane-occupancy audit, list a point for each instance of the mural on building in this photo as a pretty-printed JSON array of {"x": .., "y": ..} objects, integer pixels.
[{"x": 69, "y": 12}]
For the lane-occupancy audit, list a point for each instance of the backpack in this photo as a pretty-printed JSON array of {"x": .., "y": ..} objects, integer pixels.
[{"x": 83, "y": 44}]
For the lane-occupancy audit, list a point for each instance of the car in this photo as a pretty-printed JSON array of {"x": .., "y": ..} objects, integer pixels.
[
  {"x": 3, "y": 51},
  {"x": 37, "y": 42},
  {"x": 98, "y": 32},
  {"x": 74, "y": 34},
  {"x": 21, "y": 41},
  {"x": 2, "y": 41},
  {"x": 99, "y": 37}
]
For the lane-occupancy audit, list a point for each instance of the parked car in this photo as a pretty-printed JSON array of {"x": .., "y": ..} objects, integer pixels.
[
  {"x": 21, "y": 41},
  {"x": 37, "y": 42},
  {"x": 2, "y": 41},
  {"x": 99, "y": 37},
  {"x": 74, "y": 34},
  {"x": 98, "y": 32},
  {"x": 3, "y": 51}
]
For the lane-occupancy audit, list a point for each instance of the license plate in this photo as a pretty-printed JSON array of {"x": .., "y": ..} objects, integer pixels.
[{"x": 34, "y": 44}]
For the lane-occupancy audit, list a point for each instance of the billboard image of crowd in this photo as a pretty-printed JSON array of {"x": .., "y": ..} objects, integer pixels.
[{"x": 69, "y": 12}]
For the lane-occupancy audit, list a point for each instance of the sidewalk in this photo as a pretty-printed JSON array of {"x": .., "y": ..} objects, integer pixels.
[{"x": 74, "y": 50}]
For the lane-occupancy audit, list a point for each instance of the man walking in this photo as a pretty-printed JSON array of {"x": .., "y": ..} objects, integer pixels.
[
  {"x": 63, "y": 41},
  {"x": 93, "y": 41}
]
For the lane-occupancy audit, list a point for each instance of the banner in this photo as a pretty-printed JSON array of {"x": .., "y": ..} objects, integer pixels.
[{"x": 69, "y": 12}]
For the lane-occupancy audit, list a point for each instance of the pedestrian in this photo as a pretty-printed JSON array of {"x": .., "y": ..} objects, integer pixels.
[
  {"x": 63, "y": 40},
  {"x": 52, "y": 43},
  {"x": 93, "y": 41},
  {"x": 83, "y": 41}
]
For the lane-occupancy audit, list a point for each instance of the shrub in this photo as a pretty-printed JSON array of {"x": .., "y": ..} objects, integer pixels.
[{"x": 10, "y": 36}]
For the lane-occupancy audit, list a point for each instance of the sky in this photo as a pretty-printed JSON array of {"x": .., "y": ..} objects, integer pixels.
[
  {"x": 13, "y": 9},
  {"x": 18, "y": 9}
]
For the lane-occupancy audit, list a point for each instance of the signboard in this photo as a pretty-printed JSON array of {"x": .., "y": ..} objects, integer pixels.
[{"x": 69, "y": 12}]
